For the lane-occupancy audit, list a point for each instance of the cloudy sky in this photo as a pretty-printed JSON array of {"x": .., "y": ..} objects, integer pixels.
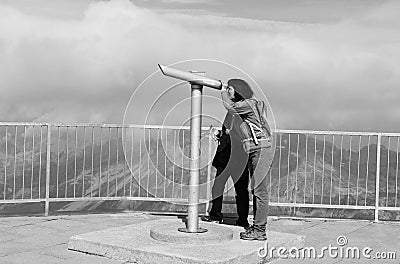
[{"x": 323, "y": 64}]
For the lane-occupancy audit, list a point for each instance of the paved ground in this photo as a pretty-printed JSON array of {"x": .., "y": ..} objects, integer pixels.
[{"x": 44, "y": 239}]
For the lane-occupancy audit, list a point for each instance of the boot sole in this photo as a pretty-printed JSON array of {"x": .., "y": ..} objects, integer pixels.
[
  {"x": 211, "y": 221},
  {"x": 253, "y": 238}
]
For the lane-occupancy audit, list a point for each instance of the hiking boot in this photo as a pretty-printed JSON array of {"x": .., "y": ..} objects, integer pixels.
[
  {"x": 207, "y": 218},
  {"x": 246, "y": 229},
  {"x": 254, "y": 233}
]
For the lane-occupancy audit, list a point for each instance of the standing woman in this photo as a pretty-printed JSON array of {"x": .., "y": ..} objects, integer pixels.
[{"x": 257, "y": 142}]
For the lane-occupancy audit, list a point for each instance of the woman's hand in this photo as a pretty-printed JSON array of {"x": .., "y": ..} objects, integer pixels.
[
  {"x": 214, "y": 133},
  {"x": 228, "y": 89}
]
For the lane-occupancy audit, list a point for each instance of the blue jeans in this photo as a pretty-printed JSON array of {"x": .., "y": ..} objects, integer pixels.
[{"x": 259, "y": 164}]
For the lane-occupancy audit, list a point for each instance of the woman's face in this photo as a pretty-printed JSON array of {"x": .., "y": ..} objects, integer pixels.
[{"x": 231, "y": 93}]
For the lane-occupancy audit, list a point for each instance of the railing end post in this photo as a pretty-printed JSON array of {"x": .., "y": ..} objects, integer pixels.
[
  {"x": 48, "y": 153},
  {"x": 377, "y": 177}
]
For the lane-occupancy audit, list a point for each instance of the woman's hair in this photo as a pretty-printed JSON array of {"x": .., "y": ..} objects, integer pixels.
[{"x": 242, "y": 89}]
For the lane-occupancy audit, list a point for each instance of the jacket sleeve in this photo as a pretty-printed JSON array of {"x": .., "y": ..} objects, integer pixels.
[{"x": 241, "y": 107}]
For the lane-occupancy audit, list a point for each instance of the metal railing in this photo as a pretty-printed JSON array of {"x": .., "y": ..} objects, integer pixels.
[{"x": 42, "y": 162}]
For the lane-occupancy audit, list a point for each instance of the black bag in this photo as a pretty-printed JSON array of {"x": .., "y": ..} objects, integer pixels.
[
  {"x": 223, "y": 152},
  {"x": 256, "y": 136}
]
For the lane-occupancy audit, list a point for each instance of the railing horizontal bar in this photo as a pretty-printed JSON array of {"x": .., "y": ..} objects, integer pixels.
[
  {"x": 319, "y": 218},
  {"x": 390, "y": 134},
  {"x": 321, "y": 205},
  {"x": 122, "y": 198},
  {"x": 22, "y": 201},
  {"x": 185, "y": 200},
  {"x": 318, "y": 132},
  {"x": 22, "y": 124},
  {"x": 386, "y": 208},
  {"x": 123, "y": 126},
  {"x": 290, "y": 131}
]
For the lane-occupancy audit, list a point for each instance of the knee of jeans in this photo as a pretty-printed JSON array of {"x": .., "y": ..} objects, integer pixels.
[{"x": 260, "y": 193}]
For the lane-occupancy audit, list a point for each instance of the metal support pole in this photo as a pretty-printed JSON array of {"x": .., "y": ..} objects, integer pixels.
[
  {"x": 195, "y": 136},
  {"x": 377, "y": 178},
  {"x": 48, "y": 149},
  {"x": 209, "y": 174},
  {"x": 197, "y": 80},
  {"x": 195, "y": 146}
]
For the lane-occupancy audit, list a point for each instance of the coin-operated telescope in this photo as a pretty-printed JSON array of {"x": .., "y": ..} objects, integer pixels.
[
  {"x": 196, "y": 83},
  {"x": 192, "y": 78}
]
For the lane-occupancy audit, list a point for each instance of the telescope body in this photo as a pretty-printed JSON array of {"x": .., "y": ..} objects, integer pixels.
[
  {"x": 192, "y": 77},
  {"x": 196, "y": 83}
]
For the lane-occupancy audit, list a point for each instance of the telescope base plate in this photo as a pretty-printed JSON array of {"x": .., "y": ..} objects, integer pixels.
[{"x": 186, "y": 230}]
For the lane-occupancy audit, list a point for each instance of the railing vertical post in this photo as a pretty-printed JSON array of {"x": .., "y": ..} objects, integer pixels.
[
  {"x": 47, "y": 201},
  {"x": 377, "y": 177}
]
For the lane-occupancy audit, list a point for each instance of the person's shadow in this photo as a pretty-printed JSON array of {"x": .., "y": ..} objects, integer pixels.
[{"x": 228, "y": 220}]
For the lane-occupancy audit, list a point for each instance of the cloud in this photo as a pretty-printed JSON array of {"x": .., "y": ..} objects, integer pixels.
[
  {"x": 184, "y": 1},
  {"x": 317, "y": 76}
]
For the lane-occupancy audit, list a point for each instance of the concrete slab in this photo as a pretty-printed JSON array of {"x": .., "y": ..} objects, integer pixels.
[
  {"x": 294, "y": 227},
  {"x": 31, "y": 230},
  {"x": 30, "y": 257},
  {"x": 15, "y": 247},
  {"x": 43, "y": 241},
  {"x": 58, "y": 251},
  {"x": 6, "y": 236},
  {"x": 133, "y": 243},
  {"x": 60, "y": 224}
]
